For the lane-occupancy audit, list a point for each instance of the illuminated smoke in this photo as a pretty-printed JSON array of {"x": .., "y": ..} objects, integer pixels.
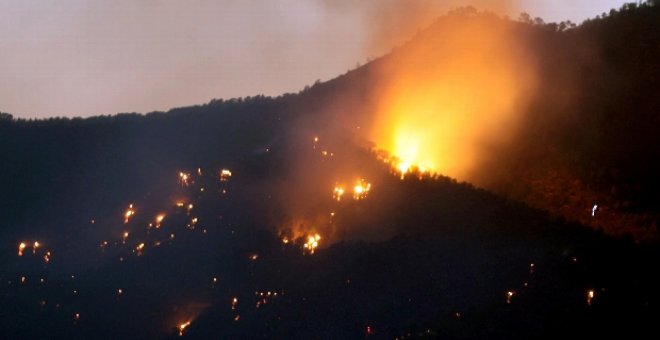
[{"x": 454, "y": 96}]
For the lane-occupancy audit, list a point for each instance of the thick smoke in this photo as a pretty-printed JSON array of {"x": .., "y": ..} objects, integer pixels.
[
  {"x": 453, "y": 97},
  {"x": 450, "y": 100}
]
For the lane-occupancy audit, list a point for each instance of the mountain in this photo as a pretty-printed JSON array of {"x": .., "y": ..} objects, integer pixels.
[{"x": 276, "y": 218}]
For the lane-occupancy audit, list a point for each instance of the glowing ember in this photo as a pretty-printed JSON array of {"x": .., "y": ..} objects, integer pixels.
[
  {"x": 264, "y": 297},
  {"x": 21, "y": 247},
  {"x": 337, "y": 193},
  {"x": 180, "y": 204},
  {"x": 590, "y": 296},
  {"x": 234, "y": 303},
  {"x": 47, "y": 257},
  {"x": 225, "y": 175},
  {"x": 184, "y": 179},
  {"x": 312, "y": 243},
  {"x": 124, "y": 237},
  {"x": 509, "y": 295},
  {"x": 129, "y": 213},
  {"x": 182, "y": 327},
  {"x": 35, "y": 246},
  {"x": 120, "y": 291},
  {"x": 159, "y": 219},
  {"x": 254, "y": 257},
  {"x": 593, "y": 210},
  {"x": 139, "y": 248},
  {"x": 361, "y": 189}
]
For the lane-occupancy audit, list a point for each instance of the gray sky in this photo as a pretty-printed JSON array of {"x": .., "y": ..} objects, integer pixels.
[{"x": 93, "y": 57}]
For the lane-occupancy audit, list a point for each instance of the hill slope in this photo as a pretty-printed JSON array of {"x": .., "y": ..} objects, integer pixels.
[{"x": 204, "y": 214}]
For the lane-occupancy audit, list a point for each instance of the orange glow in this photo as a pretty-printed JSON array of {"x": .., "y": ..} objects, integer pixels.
[
  {"x": 590, "y": 296},
  {"x": 311, "y": 243},
  {"x": 305, "y": 233},
  {"x": 509, "y": 295},
  {"x": 193, "y": 223},
  {"x": 338, "y": 192},
  {"x": 184, "y": 178},
  {"x": 129, "y": 213},
  {"x": 139, "y": 248},
  {"x": 21, "y": 247},
  {"x": 225, "y": 174},
  {"x": 361, "y": 189},
  {"x": 35, "y": 246},
  {"x": 159, "y": 219},
  {"x": 182, "y": 327},
  {"x": 444, "y": 111}
]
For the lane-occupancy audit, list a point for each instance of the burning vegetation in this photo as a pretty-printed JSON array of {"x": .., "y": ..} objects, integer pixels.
[{"x": 311, "y": 234}]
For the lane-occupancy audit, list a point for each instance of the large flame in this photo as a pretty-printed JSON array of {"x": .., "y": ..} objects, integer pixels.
[{"x": 452, "y": 96}]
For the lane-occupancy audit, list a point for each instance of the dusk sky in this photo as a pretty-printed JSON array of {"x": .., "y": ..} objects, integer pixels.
[{"x": 92, "y": 57}]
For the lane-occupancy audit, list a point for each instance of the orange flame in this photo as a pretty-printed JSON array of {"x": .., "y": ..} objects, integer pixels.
[{"x": 446, "y": 109}]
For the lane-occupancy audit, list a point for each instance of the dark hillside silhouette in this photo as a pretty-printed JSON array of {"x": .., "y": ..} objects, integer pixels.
[{"x": 133, "y": 225}]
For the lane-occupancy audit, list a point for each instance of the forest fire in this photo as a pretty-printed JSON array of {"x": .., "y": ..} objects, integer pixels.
[
  {"x": 159, "y": 220},
  {"x": 139, "y": 248},
  {"x": 311, "y": 243},
  {"x": 590, "y": 296},
  {"x": 338, "y": 192},
  {"x": 184, "y": 179},
  {"x": 361, "y": 189},
  {"x": 182, "y": 327},
  {"x": 429, "y": 117},
  {"x": 129, "y": 213},
  {"x": 225, "y": 175},
  {"x": 324, "y": 240},
  {"x": 301, "y": 233}
]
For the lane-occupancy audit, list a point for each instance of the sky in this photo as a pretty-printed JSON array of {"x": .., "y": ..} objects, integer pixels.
[{"x": 96, "y": 57}]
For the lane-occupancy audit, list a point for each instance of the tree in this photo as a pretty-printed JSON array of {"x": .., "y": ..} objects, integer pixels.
[
  {"x": 6, "y": 116},
  {"x": 524, "y": 17}
]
